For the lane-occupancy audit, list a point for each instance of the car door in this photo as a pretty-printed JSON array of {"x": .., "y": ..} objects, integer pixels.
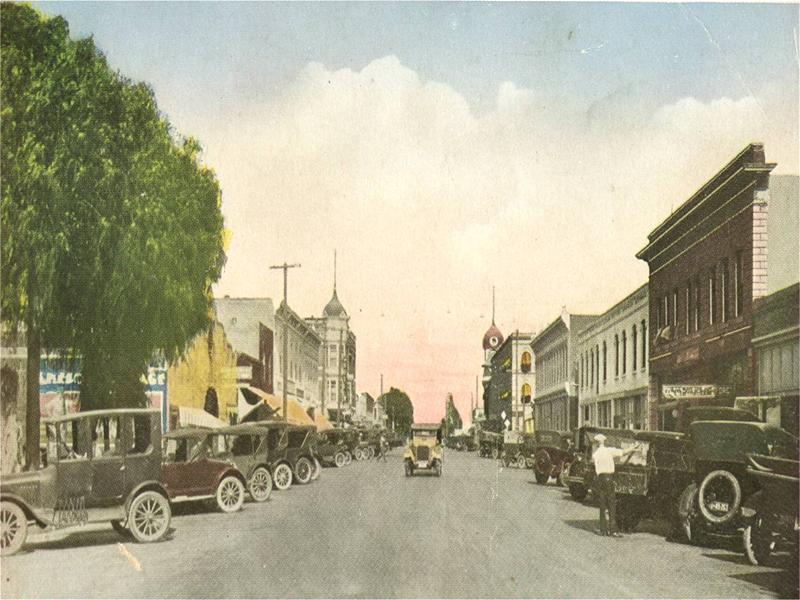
[{"x": 108, "y": 461}]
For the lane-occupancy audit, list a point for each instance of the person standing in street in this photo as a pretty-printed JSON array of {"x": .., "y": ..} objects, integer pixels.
[
  {"x": 603, "y": 459},
  {"x": 382, "y": 449}
]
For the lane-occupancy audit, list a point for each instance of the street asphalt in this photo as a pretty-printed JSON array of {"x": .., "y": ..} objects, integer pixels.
[{"x": 365, "y": 530}]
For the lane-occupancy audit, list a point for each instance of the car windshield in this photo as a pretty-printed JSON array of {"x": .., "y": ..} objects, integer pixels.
[{"x": 424, "y": 435}]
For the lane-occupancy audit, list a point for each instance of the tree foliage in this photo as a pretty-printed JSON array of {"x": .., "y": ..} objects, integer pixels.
[
  {"x": 398, "y": 408},
  {"x": 452, "y": 419},
  {"x": 112, "y": 228}
]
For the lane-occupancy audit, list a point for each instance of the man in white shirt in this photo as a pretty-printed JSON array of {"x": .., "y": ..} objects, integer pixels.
[{"x": 603, "y": 459}]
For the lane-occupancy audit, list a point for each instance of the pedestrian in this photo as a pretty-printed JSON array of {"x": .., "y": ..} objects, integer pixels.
[
  {"x": 603, "y": 459},
  {"x": 382, "y": 449}
]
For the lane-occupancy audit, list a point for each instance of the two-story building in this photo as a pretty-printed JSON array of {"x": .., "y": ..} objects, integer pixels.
[
  {"x": 302, "y": 361},
  {"x": 612, "y": 366}
]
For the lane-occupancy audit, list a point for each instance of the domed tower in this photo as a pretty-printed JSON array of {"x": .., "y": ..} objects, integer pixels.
[{"x": 493, "y": 337}]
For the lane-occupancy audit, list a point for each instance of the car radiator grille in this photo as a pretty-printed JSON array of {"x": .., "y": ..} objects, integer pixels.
[{"x": 423, "y": 453}]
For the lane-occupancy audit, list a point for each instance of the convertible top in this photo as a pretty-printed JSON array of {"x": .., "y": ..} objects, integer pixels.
[{"x": 426, "y": 427}]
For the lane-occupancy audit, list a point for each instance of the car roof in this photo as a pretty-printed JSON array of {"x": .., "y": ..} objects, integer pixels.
[
  {"x": 189, "y": 432},
  {"x": 102, "y": 413},
  {"x": 426, "y": 427},
  {"x": 252, "y": 428}
]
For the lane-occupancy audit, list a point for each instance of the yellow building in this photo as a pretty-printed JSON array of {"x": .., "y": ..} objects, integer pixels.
[{"x": 204, "y": 377}]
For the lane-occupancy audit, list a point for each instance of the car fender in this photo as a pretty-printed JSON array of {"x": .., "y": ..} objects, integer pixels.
[
  {"x": 231, "y": 471},
  {"x": 30, "y": 513},
  {"x": 146, "y": 486},
  {"x": 259, "y": 466}
]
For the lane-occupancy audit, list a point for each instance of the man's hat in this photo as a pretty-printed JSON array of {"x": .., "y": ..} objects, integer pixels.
[{"x": 600, "y": 438}]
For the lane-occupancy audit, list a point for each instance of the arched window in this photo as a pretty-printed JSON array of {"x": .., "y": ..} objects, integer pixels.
[
  {"x": 525, "y": 362},
  {"x": 633, "y": 347},
  {"x": 644, "y": 343},
  {"x": 526, "y": 393}
]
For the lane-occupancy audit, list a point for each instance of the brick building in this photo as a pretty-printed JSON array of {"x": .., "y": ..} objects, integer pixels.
[{"x": 708, "y": 263}]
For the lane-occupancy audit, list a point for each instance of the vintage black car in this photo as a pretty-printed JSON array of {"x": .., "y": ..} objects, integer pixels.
[
  {"x": 300, "y": 452},
  {"x": 332, "y": 447},
  {"x": 248, "y": 447},
  {"x": 518, "y": 449},
  {"x": 553, "y": 452},
  {"x": 580, "y": 473},
  {"x": 490, "y": 444},
  {"x": 101, "y": 466},
  {"x": 461, "y": 442},
  {"x": 771, "y": 514}
]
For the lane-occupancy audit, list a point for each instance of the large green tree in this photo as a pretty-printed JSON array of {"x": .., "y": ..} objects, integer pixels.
[
  {"x": 452, "y": 420},
  {"x": 112, "y": 232},
  {"x": 398, "y": 408}
]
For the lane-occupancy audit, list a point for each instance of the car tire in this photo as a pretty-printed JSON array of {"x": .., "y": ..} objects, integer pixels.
[
  {"x": 149, "y": 516},
  {"x": 691, "y": 524},
  {"x": 230, "y": 494},
  {"x": 714, "y": 480},
  {"x": 562, "y": 476},
  {"x": 409, "y": 470},
  {"x": 758, "y": 542},
  {"x": 339, "y": 459},
  {"x": 359, "y": 455},
  {"x": 371, "y": 452},
  {"x": 303, "y": 470},
  {"x": 541, "y": 478},
  {"x": 260, "y": 485},
  {"x": 495, "y": 453},
  {"x": 348, "y": 458},
  {"x": 577, "y": 491},
  {"x": 317, "y": 470},
  {"x": 282, "y": 476},
  {"x": 15, "y": 527},
  {"x": 520, "y": 462},
  {"x": 437, "y": 469}
]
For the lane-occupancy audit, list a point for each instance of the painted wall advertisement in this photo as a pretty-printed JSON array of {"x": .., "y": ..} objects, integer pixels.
[{"x": 60, "y": 380}]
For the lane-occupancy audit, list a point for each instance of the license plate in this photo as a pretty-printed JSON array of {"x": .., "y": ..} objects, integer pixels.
[
  {"x": 718, "y": 506},
  {"x": 422, "y": 464}
]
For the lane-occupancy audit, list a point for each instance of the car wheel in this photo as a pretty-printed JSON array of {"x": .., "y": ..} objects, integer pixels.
[
  {"x": 149, "y": 517},
  {"x": 317, "y": 470},
  {"x": 348, "y": 458},
  {"x": 437, "y": 469},
  {"x": 121, "y": 529},
  {"x": 260, "y": 484},
  {"x": 230, "y": 494},
  {"x": 302, "y": 470},
  {"x": 282, "y": 476},
  {"x": 520, "y": 462},
  {"x": 495, "y": 453},
  {"x": 691, "y": 523},
  {"x": 13, "y": 528},
  {"x": 541, "y": 478},
  {"x": 339, "y": 459},
  {"x": 371, "y": 452},
  {"x": 720, "y": 496},
  {"x": 577, "y": 491},
  {"x": 758, "y": 541},
  {"x": 562, "y": 476},
  {"x": 359, "y": 455},
  {"x": 409, "y": 469}
]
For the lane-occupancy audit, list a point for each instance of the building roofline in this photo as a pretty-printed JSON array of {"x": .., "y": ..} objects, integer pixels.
[{"x": 597, "y": 323}]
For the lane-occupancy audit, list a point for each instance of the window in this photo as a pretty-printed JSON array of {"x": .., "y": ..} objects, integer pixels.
[
  {"x": 591, "y": 368},
  {"x": 107, "y": 436},
  {"x": 738, "y": 284},
  {"x": 712, "y": 296},
  {"x": 633, "y": 347},
  {"x": 675, "y": 310},
  {"x": 526, "y": 393},
  {"x": 140, "y": 444},
  {"x": 688, "y": 305},
  {"x": 697, "y": 304},
  {"x": 723, "y": 289},
  {"x": 616, "y": 355},
  {"x": 605, "y": 356},
  {"x": 525, "y": 362},
  {"x": 624, "y": 351},
  {"x": 644, "y": 343}
]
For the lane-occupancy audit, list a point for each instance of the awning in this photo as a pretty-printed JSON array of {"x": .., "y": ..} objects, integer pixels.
[
  {"x": 195, "y": 417},
  {"x": 322, "y": 422},
  {"x": 251, "y": 397}
]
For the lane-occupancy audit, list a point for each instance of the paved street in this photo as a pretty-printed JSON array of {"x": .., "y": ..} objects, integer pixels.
[{"x": 367, "y": 531}]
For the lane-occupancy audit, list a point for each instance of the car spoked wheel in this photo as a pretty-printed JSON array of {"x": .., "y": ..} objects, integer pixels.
[
  {"x": 371, "y": 452},
  {"x": 691, "y": 522},
  {"x": 758, "y": 541},
  {"x": 358, "y": 454},
  {"x": 260, "y": 484},
  {"x": 437, "y": 469},
  {"x": 348, "y": 458},
  {"x": 282, "y": 477},
  {"x": 317, "y": 470},
  {"x": 230, "y": 494},
  {"x": 495, "y": 453},
  {"x": 302, "y": 470},
  {"x": 339, "y": 459},
  {"x": 13, "y": 528},
  {"x": 520, "y": 462},
  {"x": 149, "y": 517},
  {"x": 720, "y": 496}
]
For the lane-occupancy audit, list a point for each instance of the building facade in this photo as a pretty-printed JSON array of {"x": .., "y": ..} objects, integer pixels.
[
  {"x": 303, "y": 367},
  {"x": 204, "y": 378},
  {"x": 249, "y": 325},
  {"x": 611, "y": 364},
  {"x": 512, "y": 381},
  {"x": 708, "y": 263},
  {"x": 493, "y": 404},
  {"x": 338, "y": 360},
  {"x": 556, "y": 395}
]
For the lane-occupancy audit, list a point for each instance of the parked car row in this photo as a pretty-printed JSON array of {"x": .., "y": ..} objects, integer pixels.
[
  {"x": 728, "y": 474},
  {"x": 115, "y": 466}
]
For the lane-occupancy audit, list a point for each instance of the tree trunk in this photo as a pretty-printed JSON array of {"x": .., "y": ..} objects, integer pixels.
[{"x": 32, "y": 406}]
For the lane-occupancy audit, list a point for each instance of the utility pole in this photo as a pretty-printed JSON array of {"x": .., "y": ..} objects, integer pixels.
[
  {"x": 382, "y": 398},
  {"x": 285, "y": 266}
]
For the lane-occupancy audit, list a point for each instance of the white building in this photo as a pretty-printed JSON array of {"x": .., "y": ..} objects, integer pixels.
[
  {"x": 303, "y": 350},
  {"x": 611, "y": 363}
]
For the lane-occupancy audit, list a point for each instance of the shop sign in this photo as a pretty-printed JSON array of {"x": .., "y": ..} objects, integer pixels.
[{"x": 691, "y": 392}]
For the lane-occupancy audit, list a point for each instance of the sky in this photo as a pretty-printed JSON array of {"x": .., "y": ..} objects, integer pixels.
[{"x": 442, "y": 149}]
